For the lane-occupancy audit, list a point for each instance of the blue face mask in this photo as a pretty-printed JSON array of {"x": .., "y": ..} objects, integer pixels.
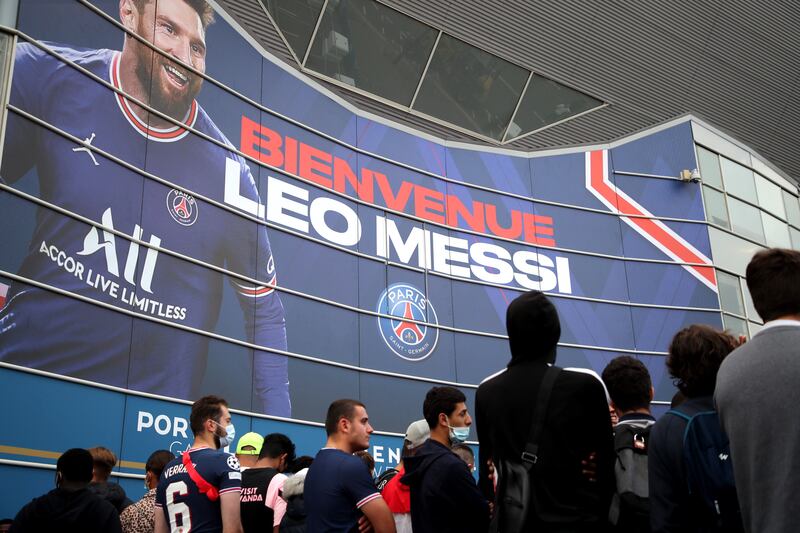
[
  {"x": 458, "y": 434},
  {"x": 229, "y": 437}
]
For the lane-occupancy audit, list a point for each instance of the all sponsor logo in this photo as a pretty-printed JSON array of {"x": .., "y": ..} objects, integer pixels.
[
  {"x": 182, "y": 207},
  {"x": 409, "y": 340}
]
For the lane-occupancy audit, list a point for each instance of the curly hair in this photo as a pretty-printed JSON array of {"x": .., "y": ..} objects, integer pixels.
[
  {"x": 628, "y": 383},
  {"x": 695, "y": 355}
]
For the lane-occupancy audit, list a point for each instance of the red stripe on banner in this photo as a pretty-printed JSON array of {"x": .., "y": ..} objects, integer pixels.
[
  {"x": 3, "y": 294},
  {"x": 657, "y": 231},
  {"x": 261, "y": 290}
]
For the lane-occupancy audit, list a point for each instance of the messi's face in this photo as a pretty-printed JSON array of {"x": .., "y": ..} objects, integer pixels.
[{"x": 175, "y": 28}]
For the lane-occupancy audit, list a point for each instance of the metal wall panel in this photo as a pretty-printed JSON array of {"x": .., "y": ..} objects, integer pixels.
[{"x": 733, "y": 63}]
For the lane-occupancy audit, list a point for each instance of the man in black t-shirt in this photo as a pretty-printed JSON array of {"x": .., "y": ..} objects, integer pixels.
[
  {"x": 262, "y": 507},
  {"x": 338, "y": 487}
]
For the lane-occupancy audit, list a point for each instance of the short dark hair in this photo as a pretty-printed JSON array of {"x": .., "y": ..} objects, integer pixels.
[
  {"x": 203, "y": 409},
  {"x": 275, "y": 445},
  {"x": 773, "y": 279},
  {"x": 365, "y": 456},
  {"x": 464, "y": 452},
  {"x": 628, "y": 383},
  {"x": 695, "y": 355},
  {"x": 339, "y": 409},
  {"x": 75, "y": 465},
  {"x": 203, "y": 9},
  {"x": 103, "y": 461},
  {"x": 304, "y": 461},
  {"x": 157, "y": 461},
  {"x": 441, "y": 400}
]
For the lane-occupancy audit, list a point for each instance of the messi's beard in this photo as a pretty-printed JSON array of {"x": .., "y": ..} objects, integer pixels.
[{"x": 151, "y": 73}]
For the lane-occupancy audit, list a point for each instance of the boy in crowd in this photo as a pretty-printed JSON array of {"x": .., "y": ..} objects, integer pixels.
[{"x": 631, "y": 391}]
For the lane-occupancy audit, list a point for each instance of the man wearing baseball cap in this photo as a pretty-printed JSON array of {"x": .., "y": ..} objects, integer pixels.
[
  {"x": 247, "y": 450},
  {"x": 397, "y": 495}
]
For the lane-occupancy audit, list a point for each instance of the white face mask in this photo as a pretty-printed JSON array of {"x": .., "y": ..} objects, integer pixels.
[{"x": 458, "y": 434}]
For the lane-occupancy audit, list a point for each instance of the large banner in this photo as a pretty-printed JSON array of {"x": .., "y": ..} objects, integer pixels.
[{"x": 184, "y": 215}]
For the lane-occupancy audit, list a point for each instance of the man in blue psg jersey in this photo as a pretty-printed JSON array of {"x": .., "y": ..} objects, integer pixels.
[
  {"x": 42, "y": 328},
  {"x": 199, "y": 491}
]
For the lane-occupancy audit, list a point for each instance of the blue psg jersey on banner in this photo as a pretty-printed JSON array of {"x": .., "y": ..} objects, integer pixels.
[
  {"x": 184, "y": 506},
  {"x": 86, "y": 340}
]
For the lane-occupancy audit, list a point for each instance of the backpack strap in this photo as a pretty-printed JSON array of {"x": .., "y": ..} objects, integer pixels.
[
  {"x": 203, "y": 486},
  {"x": 679, "y": 414},
  {"x": 530, "y": 454}
]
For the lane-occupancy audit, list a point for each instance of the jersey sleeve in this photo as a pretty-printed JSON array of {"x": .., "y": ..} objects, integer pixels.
[
  {"x": 263, "y": 312},
  {"x": 360, "y": 485},
  {"x": 33, "y": 71},
  {"x": 229, "y": 477},
  {"x": 160, "y": 500}
]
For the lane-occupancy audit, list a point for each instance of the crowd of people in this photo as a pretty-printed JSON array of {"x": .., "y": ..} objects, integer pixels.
[{"x": 561, "y": 450}]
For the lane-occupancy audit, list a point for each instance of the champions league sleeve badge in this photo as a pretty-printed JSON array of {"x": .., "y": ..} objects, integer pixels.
[{"x": 409, "y": 340}]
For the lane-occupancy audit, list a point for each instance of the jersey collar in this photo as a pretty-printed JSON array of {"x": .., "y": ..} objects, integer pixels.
[{"x": 171, "y": 134}]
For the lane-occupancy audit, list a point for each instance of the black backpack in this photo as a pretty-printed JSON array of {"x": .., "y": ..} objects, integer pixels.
[
  {"x": 630, "y": 506},
  {"x": 709, "y": 472},
  {"x": 515, "y": 495}
]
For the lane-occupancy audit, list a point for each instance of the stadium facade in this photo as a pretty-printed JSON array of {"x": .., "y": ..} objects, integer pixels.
[{"x": 352, "y": 199}]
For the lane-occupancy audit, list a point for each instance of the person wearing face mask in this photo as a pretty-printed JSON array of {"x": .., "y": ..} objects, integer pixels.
[
  {"x": 71, "y": 506},
  {"x": 199, "y": 491},
  {"x": 139, "y": 517},
  {"x": 261, "y": 505},
  {"x": 444, "y": 496}
]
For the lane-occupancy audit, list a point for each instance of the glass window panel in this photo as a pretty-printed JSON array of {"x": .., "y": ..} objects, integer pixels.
[
  {"x": 471, "y": 88},
  {"x": 545, "y": 102},
  {"x": 795, "y": 238},
  {"x": 792, "y": 208},
  {"x": 745, "y": 220},
  {"x": 738, "y": 180},
  {"x": 736, "y": 326},
  {"x": 709, "y": 167},
  {"x": 776, "y": 232},
  {"x": 752, "y": 314},
  {"x": 754, "y": 328},
  {"x": 716, "y": 211},
  {"x": 296, "y": 20},
  {"x": 769, "y": 196},
  {"x": 372, "y": 47},
  {"x": 730, "y": 294}
]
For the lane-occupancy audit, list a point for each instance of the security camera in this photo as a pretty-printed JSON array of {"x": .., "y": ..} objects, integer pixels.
[{"x": 690, "y": 176}]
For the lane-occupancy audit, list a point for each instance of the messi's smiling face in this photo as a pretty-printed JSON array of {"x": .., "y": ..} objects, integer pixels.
[{"x": 175, "y": 28}]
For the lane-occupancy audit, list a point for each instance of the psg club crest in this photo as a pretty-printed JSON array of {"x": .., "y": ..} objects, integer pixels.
[
  {"x": 409, "y": 340},
  {"x": 182, "y": 207}
]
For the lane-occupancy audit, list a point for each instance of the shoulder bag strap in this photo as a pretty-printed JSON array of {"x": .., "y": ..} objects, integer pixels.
[
  {"x": 203, "y": 486},
  {"x": 530, "y": 454}
]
